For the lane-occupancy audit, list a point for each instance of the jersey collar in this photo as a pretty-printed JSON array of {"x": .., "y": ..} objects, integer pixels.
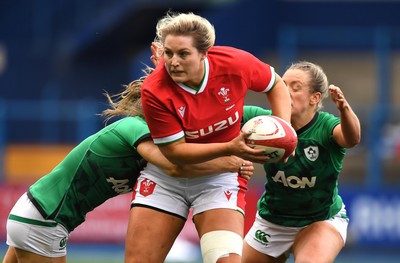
[
  {"x": 203, "y": 82},
  {"x": 308, "y": 125}
]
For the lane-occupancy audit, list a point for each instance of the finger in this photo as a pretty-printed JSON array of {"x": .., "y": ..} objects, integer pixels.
[
  {"x": 245, "y": 177},
  {"x": 153, "y": 48},
  {"x": 245, "y": 173},
  {"x": 247, "y": 163},
  {"x": 259, "y": 159},
  {"x": 256, "y": 151},
  {"x": 246, "y": 134},
  {"x": 242, "y": 168},
  {"x": 154, "y": 60}
]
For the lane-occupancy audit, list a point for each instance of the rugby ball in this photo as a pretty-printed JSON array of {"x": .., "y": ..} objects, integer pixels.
[{"x": 273, "y": 134}]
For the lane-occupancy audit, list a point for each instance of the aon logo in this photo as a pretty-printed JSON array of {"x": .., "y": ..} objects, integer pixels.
[
  {"x": 120, "y": 186},
  {"x": 294, "y": 181}
]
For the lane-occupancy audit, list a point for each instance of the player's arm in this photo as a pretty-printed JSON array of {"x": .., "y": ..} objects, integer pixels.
[
  {"x": 152, "y": 154},
  {"x": 219, "y": 165},
  {"x": 348, "y": 133},
  {"x": 280, "y": 102},
  {"x": 279, "y": 99},
  {"x": 180, "y": 152}
]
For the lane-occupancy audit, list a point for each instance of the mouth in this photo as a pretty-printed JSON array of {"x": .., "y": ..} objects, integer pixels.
[{"x": 176, "y": 72}]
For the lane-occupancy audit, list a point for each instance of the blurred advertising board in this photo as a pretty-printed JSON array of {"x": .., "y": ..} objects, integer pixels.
[
  {"x": 105, "y": 224},
  {"x": 374, "y": 217}
]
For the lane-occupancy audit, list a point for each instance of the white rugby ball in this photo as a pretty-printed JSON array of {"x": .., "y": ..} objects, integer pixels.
[{"x": 273, "y": 134}]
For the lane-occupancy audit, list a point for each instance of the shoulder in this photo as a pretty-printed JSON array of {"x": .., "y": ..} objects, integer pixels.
[
  {"x": 132, "y": 128},
  {"x": 158, "y": 78},
  {"x": 327, "y": 117},
  {"x": 130, "y": 123},
  {"x": 228, "y": 52},
  {"x": 126, "y": 126},
  {"x": 326, "y": 122},
  {"x": 233, "y": 60}
]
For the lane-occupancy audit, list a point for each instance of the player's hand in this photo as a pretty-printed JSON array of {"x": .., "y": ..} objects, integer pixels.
[
  {"x": 156, "y": 53},
  {"x": 239, "y": 148},
  {"x": 245, "y": 168},
  {"x": 337, "y": 97}
]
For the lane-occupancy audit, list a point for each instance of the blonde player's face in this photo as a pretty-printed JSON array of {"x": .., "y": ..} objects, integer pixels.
[
  {"x": 184, "y": 62},
  {"x": 297, "y": 82}
]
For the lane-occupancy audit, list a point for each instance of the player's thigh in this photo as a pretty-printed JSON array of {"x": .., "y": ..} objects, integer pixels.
[
  {"x": 251, "y": 255},
  {"x": 319, "y": 242},
  {"x": 150, "y": 234},
  {"x": 29, "y": 257},
  {"x": 219, "y": 219}
]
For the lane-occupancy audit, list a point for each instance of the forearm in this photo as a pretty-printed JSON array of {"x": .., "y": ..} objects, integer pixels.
[
  {"x": 182, "y": 153},
  {"x": 350, "y": 125},
  {"x": 279, "y": 100},
  {"x": 215, "y": 166}
]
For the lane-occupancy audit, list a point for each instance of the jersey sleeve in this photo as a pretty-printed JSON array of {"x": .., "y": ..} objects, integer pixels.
[
  {"x": 134, "y": 130},
  {"x": 329, "y": 123},
  {"x": 164, "y": 126},
  {"x": 260, "y": 75}
]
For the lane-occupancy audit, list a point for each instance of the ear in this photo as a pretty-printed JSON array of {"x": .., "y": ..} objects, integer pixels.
[
  {"x": 315, "y": 98},
  {"x": 203, "y": 56}
]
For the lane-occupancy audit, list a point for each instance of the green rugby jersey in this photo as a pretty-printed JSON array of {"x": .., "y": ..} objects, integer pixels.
[
  {"x": 305, "y": 189},
  {"x": 102, "y": 166}
]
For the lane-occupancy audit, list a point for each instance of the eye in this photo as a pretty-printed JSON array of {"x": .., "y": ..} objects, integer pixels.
[
  {"x": 184, "y": 54},
  {"x": 296, "y": 87},
  {"x": 168, "y": 53}
]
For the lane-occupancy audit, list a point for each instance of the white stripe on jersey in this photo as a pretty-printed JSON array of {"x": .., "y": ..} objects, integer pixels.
[
  {"x": 169, "y": 139},
  {"x": 272, "y": 81}
]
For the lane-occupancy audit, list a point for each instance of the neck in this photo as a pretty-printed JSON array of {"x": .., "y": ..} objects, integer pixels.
[
  {"x": 196, "y": 81},
  {"x": 298, "y": 121}
]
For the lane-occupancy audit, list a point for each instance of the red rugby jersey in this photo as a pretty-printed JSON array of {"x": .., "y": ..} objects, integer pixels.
[{"x": 213, "y": 112}]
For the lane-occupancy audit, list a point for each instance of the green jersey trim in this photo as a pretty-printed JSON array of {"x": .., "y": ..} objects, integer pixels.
[{"x": 32, "y": 221}]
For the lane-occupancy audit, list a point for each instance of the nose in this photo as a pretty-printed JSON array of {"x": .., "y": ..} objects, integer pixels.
[{"x": 175, "y": 61}]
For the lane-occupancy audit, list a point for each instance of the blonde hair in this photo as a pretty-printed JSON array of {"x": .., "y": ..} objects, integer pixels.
[
  {"x": 183, "y": 24},
  {"x": 318, "y": 79},
  {"x": 128, "y": 102}
]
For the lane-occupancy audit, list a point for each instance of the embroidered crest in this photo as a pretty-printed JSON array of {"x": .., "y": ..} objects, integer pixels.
[
  {"x": 147, "y": 187},
  {"x": 312, "y": 153},
  {"x": 224, "y": 93}
]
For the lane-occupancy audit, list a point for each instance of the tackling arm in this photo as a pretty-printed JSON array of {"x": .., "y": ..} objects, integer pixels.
[{"x": 152, "y": 154}]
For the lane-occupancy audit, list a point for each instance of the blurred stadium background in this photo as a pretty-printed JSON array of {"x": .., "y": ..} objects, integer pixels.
[{"x": 58, "y": 57}]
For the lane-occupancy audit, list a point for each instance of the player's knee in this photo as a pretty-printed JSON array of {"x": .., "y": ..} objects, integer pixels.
[{"x": 220, "y": 243}]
